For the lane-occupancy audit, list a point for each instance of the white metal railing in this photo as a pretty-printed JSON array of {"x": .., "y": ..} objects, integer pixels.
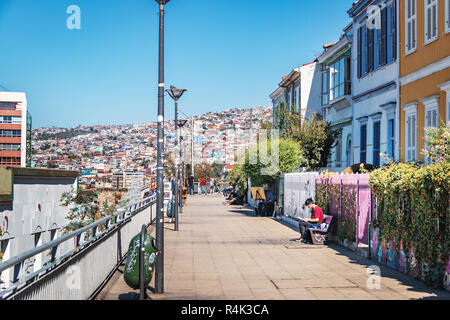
[{"x": 92, "y": 235}]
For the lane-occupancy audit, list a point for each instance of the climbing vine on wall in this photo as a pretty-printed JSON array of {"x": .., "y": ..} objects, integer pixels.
[
  {"x": 413, "y": 213},
  {"x": 340, "y": 201}
]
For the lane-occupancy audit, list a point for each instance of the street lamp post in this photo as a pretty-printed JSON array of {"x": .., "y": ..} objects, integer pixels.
[
  {"x": 159, "y": 268},
  {"x": 181, "y": 163},
  {"x": 176, "y": 94}
]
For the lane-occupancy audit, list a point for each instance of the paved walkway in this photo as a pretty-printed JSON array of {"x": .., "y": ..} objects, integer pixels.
[{"x": 225, "y": 252}]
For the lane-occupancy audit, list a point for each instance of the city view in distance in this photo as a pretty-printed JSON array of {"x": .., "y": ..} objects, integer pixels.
[{"x": 102, "y": 153}]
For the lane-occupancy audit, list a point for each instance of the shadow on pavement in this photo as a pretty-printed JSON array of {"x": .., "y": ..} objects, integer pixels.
[{"x": 387, "y": 272}]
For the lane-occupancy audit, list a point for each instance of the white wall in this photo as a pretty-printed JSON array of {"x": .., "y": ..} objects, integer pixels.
[
  {"x": 367, "y": 107},
  {"x": 371, "y": 103},
  {"x": 25, "y": 220},
  {"x": 311, "y": 87},
  {"x": 298, "y": 187}
]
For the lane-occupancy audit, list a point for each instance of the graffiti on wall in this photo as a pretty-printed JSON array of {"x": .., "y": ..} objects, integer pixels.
[{"x": 4, "y": 225}]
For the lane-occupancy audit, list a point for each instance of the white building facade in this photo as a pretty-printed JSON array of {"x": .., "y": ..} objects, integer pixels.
[
  {"x": 300, "y": 91},
  {"x": 374, "y": 81},
  {"x": 336, "y": 65}
]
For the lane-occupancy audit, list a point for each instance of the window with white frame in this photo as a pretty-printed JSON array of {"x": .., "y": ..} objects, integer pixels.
[
  {"x": 447, "y": 16},
  {"x": 411, "y": 132},
  {"x": 446, "y": 88},
  {"x": 411, "y": 25},
  {"x": 363, "y": 141},
  {"x": 431, "y": 20},
  {"x": 431, "y": 112},
  {"x": 448, "y": 107},
  {"x": 10, "y": 120},
  {"x": 431, "y": 116}
]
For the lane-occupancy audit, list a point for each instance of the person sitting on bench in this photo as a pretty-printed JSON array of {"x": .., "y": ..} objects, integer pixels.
[
  {"x": 268, "y": 204},
  {"x": 237, "y": 200},
  {"x": 305, "y": 224}
]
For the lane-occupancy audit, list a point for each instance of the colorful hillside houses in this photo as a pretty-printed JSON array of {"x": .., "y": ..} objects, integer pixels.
[{"x": 384, "y": 81}]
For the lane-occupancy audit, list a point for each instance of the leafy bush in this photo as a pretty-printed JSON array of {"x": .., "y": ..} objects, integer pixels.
[
  {"x": 340, "y": 203},
  {"x": 238, "y": 177},
  {"x": 413, "y": 212},
  {"x": 290, "y": 158}
]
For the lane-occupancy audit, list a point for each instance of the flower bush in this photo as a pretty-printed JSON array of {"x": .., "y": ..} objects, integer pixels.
[
  {"x": 438, "y": 144},
  {"x": 413, "y": 213}
]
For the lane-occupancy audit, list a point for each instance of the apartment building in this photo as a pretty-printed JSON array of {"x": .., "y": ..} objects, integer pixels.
[
  {"x": 15, "y": 130},
  {"x": 337, "y": 96},
  {"x": 299, "y": 91},
  {"x": 424, "y": 72},
  {"x": 375, "y": 80}
]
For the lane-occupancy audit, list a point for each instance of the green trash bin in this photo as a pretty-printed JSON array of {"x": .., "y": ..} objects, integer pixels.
[{"x": 131, "y": 272}]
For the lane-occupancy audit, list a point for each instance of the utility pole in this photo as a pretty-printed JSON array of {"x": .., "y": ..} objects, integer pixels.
[
  {"x": 251, "y": 120},
  {"x": 159, "y": 267},
  {"x": 176, "y": 94},
  {"x": 192, "y": 146}
]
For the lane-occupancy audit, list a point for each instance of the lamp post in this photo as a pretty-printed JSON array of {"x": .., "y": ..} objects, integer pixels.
[
  {"x": 181, "y": 124},
  {"x": 159, "y": 267},
  {"x": 176, "y": 94}
]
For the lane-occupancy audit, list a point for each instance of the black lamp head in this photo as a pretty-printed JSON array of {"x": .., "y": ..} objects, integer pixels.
[{"x": 175, "y": 93}]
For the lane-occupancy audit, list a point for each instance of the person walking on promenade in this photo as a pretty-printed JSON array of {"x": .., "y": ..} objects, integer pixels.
[
  {"x": 212, "y": 185},
  {"x": 153, "y": 187},
  {"x": 305, "y": 224},
  {"x": 191, "y": 184},
  {"x": 202, "y": 186}
]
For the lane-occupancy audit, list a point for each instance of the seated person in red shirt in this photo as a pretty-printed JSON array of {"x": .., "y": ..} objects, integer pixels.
[{"x": 305, "y": 224}]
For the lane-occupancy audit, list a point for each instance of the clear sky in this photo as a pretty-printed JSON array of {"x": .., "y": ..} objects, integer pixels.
[{"x": 227, "y": 53}]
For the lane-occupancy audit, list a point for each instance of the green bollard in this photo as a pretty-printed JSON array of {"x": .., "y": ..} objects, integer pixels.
[{"x": 131, "y": 272}]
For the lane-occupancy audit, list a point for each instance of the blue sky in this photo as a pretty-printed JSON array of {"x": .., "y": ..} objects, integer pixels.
[{"x": 227, "y": 53}]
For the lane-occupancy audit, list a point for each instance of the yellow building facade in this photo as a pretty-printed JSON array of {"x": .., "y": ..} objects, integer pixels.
[{"x": 424, "y": 33}]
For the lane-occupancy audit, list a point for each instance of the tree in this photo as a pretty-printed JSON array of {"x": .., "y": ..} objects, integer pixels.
[
  {"x": 290, "y": 158},
  {"x": 82, "y": 209},
  {"x": 316, "y": 138},
  {"x": 239, "y": 178}
]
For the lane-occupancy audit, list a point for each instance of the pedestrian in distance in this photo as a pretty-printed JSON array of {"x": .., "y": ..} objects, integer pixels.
[
  {"x": 202, "y": 186},
  {"x": 212, "y": 186},
  {"x": 191, "y": 184},
  {"x": 153, "y": 187}
]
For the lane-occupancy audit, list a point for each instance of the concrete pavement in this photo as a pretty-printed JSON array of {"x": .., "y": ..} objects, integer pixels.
[{"x": 226, "y": 253}]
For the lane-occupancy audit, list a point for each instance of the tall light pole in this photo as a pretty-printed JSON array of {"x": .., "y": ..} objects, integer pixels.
[
  {"x": 176, "y": 94},
  {"x": 159, "y": 268},
  {"x": 181, "y": 163},
  {"x": 192, "y": 146}
]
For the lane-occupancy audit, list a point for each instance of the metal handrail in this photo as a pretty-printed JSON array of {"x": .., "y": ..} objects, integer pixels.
[{"x": 30, "y": 253}]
